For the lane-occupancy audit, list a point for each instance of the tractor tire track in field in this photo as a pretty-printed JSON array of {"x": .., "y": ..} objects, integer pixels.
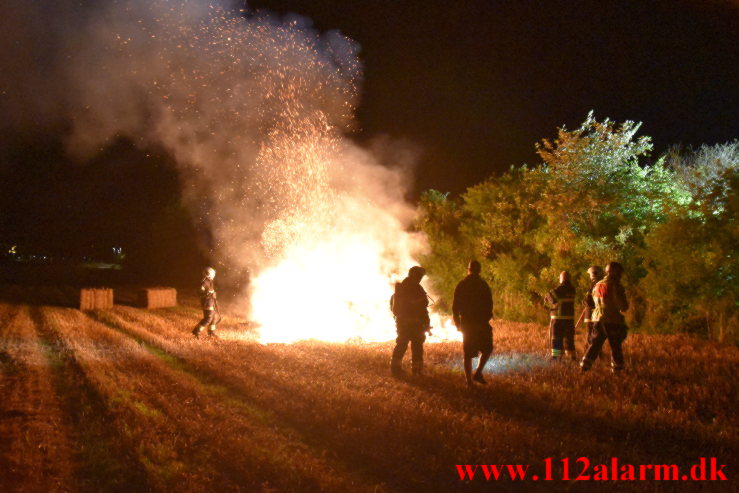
[
  {"x": 172, "y": 432},
  {"x": 270, "y": 438},
  {"x": 173, "y": 435},
  {"x": 36, "y": 452},
  {"x": 7, "y": 313},
  {"x": 104, "y": 462}
]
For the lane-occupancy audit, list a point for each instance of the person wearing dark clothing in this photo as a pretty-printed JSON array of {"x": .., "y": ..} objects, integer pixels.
[
  {"x": 409, "y": 306},
  {"x": 596, "y": 274},
  {"x": 609, "y": 298},
  {"x": 207, "y": 303},
  {"x": 472, "y": 310},
  {"x": 561, "y": 303}
]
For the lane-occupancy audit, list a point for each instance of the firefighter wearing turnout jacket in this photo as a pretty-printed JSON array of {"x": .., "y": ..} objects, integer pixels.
[
  {"x": 609, "y": 324},
  {"x": 561, "y": 303},
  {"x": 409, "y": 305},
  {"x": 208, "y": 303},
  {"x": 596, "y": 274}
]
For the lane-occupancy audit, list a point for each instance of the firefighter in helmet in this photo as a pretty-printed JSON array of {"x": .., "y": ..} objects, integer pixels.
[
  {"x": 409, "y": 305},
  {"x": 596, "y": 274},
  {"x": 561, "y": 303},
  {"x": 609, "y": 298},
  {"x": 208, "y": 303}
]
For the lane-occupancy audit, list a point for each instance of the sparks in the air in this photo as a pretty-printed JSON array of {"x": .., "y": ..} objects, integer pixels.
[{"x": 257, "y": 112}]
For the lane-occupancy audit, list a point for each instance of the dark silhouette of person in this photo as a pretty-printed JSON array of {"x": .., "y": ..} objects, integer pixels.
[
  {"x": 472, "y": 310},
  {"x": 409, "y": 305}
]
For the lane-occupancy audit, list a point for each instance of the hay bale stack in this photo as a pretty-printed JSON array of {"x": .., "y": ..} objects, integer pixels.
[
  {"x": 158, "y": 297},
  {"x": 96, "y": 298}
]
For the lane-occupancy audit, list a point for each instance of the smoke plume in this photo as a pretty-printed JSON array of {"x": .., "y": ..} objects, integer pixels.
[{"x": 255, "y": 110}]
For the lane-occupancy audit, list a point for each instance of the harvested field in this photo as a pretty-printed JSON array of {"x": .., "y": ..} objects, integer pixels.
[{"x": 126, "y": 400}]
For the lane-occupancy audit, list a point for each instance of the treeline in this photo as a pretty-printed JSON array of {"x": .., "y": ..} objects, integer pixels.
[{"x": 596, "y": 197}]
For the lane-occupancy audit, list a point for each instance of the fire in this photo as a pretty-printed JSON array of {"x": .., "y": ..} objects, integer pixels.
[
  {"x": 337, "y": 241},
  {"x": 336, "y": 290},
  {"x": 333, "y": 291}
]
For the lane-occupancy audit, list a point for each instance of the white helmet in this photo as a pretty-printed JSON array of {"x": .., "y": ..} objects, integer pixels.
[{"x": 209, "y": 272}]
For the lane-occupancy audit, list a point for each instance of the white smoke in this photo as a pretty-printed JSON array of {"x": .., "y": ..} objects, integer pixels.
[{"x": 255, "y": 110}]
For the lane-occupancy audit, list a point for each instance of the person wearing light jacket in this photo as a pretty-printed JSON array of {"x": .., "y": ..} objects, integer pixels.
[{"x": 609, "y": 298}]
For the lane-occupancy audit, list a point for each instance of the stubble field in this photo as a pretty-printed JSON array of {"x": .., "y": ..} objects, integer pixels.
[{"x": 127, "y": 400}]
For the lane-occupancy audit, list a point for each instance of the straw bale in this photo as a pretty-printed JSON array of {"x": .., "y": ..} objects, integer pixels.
[
  {"x": 158, "y": 297},
  {"x": 96, "y": 298}
]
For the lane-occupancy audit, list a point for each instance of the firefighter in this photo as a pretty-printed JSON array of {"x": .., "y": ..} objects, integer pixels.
[
  {"x": 410, "y": 308},
  {"x": 596, "y": 274},
  {"x": 609, "y": 298},
  {"x": 208, "y": 303},
  {"x": 472, "y": 310},
  {"x": 561, "y": 303}
]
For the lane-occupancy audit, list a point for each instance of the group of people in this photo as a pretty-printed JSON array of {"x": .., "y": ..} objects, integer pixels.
[
  {"x": 472, "y": 311},
  {"x": 603, "y": 306}
]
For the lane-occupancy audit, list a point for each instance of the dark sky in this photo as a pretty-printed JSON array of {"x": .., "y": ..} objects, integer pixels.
[
  {"x": 477, "y": 83},
  {"x": 474, "y": 84}
]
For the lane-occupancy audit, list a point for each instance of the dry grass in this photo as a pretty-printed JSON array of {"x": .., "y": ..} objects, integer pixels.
[{"x": 232, "y": 415}]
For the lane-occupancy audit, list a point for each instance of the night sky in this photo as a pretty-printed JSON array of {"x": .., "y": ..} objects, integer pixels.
[
  {"x": 477, "y": 83},
  {"x": 473, "y": 84}
]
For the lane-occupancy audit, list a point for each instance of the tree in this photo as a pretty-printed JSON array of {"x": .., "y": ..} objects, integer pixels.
[
  {"x": 591, "y": 200},
  {"x": 692, "y": 259},
  {"x": 600, "y": 199},
  {"x": 503, "y": 223},
  {"x": 441, "y": 218}
]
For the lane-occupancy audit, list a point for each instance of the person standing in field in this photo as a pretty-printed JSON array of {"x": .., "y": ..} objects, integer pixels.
[
  {"x": 609, "y": 298},
  {"x": 596, "y": 274},
  {"x": 561, "y": 303},
  {"x": 409, "y": 305},
  {"x": 472, "y": 310},
  {"x": 207, "y": 303}
]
